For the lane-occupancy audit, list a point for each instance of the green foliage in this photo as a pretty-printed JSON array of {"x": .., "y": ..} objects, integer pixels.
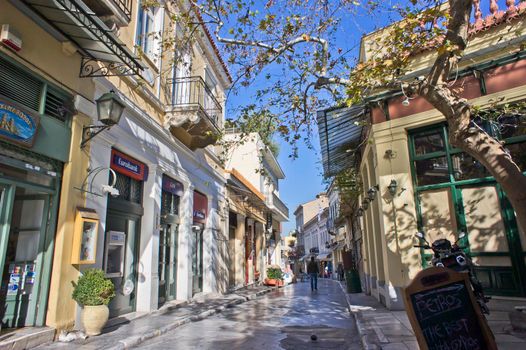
[
  {"x": 93, "y": 288},
  {"x": 349, "y": 185},
  {"x": 274, "y": 273}
]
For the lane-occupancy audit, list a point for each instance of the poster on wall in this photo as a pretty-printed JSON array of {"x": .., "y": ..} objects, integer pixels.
[
  {"x": 200, "y": 208},
  {"x": 17, "y": 123}
]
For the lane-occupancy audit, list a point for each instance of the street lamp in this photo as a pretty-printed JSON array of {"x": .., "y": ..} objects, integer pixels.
[
  {"x": 371, "y": 193},
  {"x": 109, "y": 112},
  {"x": 392, "y": 187}
]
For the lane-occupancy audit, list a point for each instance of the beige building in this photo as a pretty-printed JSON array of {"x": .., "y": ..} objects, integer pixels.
[
  {"x": 419, "y": 182},
  {"x": 256, "y": 223}
]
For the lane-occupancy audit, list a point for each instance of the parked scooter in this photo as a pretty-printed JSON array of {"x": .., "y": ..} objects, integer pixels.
[{"x": 453, "y": 257}]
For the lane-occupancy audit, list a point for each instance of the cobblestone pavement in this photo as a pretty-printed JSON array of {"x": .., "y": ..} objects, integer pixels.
[{"x": 283, "y": 319}]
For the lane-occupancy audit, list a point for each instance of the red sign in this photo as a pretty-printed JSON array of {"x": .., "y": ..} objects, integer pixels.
[
  {"x": 200, "y": 208},
  {"x": 128, "y": 166},
  {"x": 172, "y": 186}
]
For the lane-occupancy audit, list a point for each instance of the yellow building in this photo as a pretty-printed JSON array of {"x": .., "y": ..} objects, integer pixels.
[
  {"x": 414, "y": 180},
  {"x": 153, "y": 181}
]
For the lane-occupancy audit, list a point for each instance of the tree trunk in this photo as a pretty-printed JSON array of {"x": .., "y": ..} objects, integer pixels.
[{"x": 484, "y": 148}]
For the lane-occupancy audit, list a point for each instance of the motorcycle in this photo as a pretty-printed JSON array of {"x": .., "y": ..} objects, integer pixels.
[{"x": 453, "y": 257}]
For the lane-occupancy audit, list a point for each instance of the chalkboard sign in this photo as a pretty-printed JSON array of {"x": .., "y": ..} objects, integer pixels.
[{"x": 444, "y": 313}]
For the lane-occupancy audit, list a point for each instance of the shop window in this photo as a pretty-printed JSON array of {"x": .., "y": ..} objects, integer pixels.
[
  {"x": 129, "y": 189},
  {"x": 518, "y": 154},
  {"x": 465, "y": 167},
  {"x": 429, "y": 143},
  {"x": 432, "y": 171},
  {"x": 512, "y": 125},
  {"x": 170, "y": 203}
]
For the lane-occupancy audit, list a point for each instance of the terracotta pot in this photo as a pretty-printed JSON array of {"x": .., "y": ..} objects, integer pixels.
[{"x": 94, "y": 318}]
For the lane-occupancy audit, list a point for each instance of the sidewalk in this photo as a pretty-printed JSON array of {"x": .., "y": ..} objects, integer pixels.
[
  {"x": 381, "y": 328},
  {"x": 171, "y": 316}
]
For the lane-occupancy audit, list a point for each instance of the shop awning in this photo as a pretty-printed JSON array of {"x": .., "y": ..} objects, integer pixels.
[
  {"x": 324, "y": 256},
  {"x": 103, "y": 53},
  {"x": 341, "y": 133}
]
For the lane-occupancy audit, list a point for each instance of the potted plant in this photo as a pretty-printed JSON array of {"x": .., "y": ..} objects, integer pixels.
[
  {"x": 274, "y": 276},
  {"x": 93, "y": 291}
]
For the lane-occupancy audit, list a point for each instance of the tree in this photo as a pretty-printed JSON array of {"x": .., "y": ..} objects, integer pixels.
[{"x": 295, "y": 39}]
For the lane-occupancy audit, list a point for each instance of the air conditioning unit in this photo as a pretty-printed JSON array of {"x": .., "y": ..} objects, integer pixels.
[{"x": 10, "y": 39}]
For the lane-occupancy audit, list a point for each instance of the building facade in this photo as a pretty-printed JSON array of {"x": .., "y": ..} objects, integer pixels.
[
  {"x": 258, "y": 237},
  {"x": 152, "y": 185},
  {"x": 414, "y": 180}
]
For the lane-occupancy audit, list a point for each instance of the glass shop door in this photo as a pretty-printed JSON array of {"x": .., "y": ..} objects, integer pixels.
[{"x": 24, "y": 215}]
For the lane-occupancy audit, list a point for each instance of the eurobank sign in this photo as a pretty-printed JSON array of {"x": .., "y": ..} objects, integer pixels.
[{"x": 128, "y": 166}]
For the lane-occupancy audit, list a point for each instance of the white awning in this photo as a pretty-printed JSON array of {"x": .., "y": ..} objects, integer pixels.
[{"x": 324, "y": 256}]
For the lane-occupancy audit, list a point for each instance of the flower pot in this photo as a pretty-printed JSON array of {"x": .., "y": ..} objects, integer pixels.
[{"x": 94, "y": 318}]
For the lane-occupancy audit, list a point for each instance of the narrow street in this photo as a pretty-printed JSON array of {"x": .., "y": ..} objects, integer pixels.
[{"x": 285, "y": 319}]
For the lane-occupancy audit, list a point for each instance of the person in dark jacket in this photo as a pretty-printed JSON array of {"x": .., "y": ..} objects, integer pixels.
[{"x": 313, "y": 270}]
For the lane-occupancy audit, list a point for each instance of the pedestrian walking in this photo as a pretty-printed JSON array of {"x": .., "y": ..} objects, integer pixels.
[
  {"x": 340, "y": 272},
  {"x": 313, "y": 270}
]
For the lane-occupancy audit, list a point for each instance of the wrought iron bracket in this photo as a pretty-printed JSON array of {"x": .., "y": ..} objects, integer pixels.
[
  {"x": 89, "y": 132},
  {"x": 90, "y": 67}
]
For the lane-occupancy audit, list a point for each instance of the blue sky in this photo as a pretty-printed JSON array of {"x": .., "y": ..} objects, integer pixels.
[{"x": 304, "y": 174}]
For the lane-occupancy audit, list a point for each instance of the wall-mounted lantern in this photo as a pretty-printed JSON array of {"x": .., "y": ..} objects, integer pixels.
[
  {"x": 371, "y": 192},
  {"x": 392, "y": 187},
  {"x": 359, "y": 212},
  {"x": 365, "y": 203},
  {"x": 109, "y": 112}
]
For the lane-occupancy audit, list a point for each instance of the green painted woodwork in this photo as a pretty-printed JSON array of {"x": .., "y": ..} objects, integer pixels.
[{"x": 497, "y": 279}]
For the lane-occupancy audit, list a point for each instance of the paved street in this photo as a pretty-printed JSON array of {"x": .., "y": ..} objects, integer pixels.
[{"x": 284, "y": 319}]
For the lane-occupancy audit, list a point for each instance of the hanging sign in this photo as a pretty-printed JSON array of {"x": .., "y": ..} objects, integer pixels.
[
  {"x": 172, "y": 186},
  {"x": 17, "y": 124},
  {"x": 443, "y": 312},
  {"x": 200, "y": 208},
  {"x": 128, "y": 166}
]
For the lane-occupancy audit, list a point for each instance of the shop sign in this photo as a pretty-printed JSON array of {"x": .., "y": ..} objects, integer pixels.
[
  {"x": 17, "y": 124},
  {"x": 200, "y": 208},
  {"x": 128, "y": 166},
  {"x": 172, "y": 186}
]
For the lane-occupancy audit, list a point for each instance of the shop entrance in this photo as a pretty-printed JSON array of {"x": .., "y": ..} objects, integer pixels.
[
  {"x": 27, "y": 223},
  {"x": 121, "y": 264},
  {"x": 197, "y": 259},
  {"x": 168, "y": 237}
]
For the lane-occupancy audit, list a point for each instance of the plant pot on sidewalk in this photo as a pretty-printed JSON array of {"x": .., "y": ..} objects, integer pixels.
[
  {"x": 94, "y": 318},
  {"x": 93, "y": 291},
  {"x": 352, "y": 280}
]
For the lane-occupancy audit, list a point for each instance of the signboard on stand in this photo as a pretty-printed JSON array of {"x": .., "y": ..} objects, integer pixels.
[{"x": 444, "y": 313}]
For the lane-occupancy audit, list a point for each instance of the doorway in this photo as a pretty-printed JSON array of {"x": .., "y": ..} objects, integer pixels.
[
  {"x": 197, "y": 259},
  {"x": 25, "y": 217},
  {"x": 168, "y": 238}
]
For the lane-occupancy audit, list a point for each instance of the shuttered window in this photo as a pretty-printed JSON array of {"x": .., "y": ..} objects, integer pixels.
[{"x": 28, "y": 90}]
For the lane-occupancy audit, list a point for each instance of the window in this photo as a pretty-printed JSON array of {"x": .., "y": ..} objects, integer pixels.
[
  {"x": 146, "y": 29},
  {"x": 435, "y": 161}
]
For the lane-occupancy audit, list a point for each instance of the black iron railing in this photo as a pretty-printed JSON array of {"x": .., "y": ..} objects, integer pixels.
[
  {"x": 193, "y": 91},
  {"x": 125, "y": 6}
]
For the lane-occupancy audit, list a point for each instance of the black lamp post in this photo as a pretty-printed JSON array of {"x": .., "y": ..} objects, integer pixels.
[{"x": 109, "y": 112}]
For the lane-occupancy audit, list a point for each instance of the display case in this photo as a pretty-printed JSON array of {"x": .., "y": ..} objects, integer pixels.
[
  {"x": 114, "y": 255},
  {"x": 85, "y": 237}
]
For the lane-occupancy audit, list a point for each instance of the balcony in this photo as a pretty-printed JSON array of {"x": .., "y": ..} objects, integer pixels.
[
  {"x": 117, "y": 12},
  {"x": 278, "y": 207},
  {"x": 194, "y": 115}
]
